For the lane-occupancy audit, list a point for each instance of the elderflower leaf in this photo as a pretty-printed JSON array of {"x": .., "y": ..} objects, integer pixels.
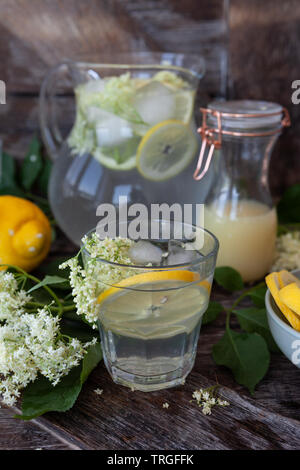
[
  {"x": 288, "y": 208},
  {"x": 257, "y": 296},
  {"x": 32, "y": 164},
  {"x": 246, "y": 354},
  {"x": 48, "y": 280},
  {"x": 228, "y": 278},
  {"x": 44, "y": 176},
  {"x": 8, "y": 183},
  {"x": 254, "y": 320},
  {"x": 52, "y": 268},
  {"x": 41, "y": 396},
  {"x": 212, "y": 312}
]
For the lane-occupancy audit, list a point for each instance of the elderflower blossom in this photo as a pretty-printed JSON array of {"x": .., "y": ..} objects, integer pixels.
[
  {"x": 87, "y": 283},
  {"x": 287, "y": 255},
  {"x": 206, "y": 400},
  {"x": 31, "y": 343}
]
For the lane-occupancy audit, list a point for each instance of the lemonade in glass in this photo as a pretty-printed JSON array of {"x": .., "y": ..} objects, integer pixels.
[{"x": 151, "y": 307}]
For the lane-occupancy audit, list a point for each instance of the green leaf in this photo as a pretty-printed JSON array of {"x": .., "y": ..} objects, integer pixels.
[
  {"x": 8, "y": 184},
  {"x": 229, "y": 278},
  {"x": 254, "y": 320},
  {"x": 77, "y": 329},
  {"x": 246, "y": 354},
  {"x": 288, "y": 209},
  {"x": 7, "y": 169},
  {"x": 52, "y": 268},
  {"x": 44, "y": 176},
  {"x": 40, "y": 396},
  {"x": 212, "y": 312},
  {"x": 32, "y": 164},
  {"x": 48, "y": 280},
  {"x": 90, "y": 361},
  {"x": 257, "y": 296}
]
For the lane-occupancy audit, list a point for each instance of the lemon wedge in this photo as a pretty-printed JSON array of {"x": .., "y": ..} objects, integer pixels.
[
  {"x": 156, "y": 276},
  {"x": 285, "y": 278},
  {"x": 165, "y": 150},
  {"x": 272, "y": 281},
  {"x": 290, "y": 296}
]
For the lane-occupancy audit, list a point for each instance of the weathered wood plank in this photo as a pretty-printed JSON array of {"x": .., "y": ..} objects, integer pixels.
[
  {"x": 36, "y": 35},
  {"x": 265, "y": 58},
  {"x": 121, "y": 419},
  {"x": 19, "y": 435}
]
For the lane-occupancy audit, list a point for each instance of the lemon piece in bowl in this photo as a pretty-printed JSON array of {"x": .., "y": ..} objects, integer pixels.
[
  {"x": 285, "y": 278},
  {"x": 290, "y": 296},
  {"x": 272, "y": 282}
]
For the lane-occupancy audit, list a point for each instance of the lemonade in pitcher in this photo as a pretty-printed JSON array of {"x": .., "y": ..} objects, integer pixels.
[{"x": 133, "y": 134}]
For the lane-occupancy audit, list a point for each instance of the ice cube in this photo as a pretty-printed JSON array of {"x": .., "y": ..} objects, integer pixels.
[
  {"x": 178, "y": 254},
  {"x": 111, "y": 130},
  {"x": 144, "y": 252},
  {"x": 155, "y": 103}
]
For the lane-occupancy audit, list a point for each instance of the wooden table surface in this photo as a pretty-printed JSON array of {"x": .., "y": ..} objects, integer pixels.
[{"x": 122, "y": 419}]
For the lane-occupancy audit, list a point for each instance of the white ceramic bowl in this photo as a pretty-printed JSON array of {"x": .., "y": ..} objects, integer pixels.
[{"x": 286, "y": 338}]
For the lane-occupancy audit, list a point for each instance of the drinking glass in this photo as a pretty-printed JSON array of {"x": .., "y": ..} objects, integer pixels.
[{"x": 150, "y": 316}]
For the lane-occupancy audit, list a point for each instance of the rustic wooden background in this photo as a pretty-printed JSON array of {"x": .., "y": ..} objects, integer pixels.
[{"x": 264, "y": 52}]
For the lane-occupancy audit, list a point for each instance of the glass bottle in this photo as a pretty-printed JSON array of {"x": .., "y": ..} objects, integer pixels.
[{"x": 239, "y": 208}]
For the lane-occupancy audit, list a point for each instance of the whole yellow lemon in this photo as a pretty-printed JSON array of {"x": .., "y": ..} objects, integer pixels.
[{"x": 25, "y": 233}]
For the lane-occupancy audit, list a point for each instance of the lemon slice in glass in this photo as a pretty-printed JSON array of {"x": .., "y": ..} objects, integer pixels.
[
  {"x": 184, "y": 102},
  {"x": 120, "y": 157},
  {"x": 149, "y": 277},
  {"x": 165, "y": 150}
]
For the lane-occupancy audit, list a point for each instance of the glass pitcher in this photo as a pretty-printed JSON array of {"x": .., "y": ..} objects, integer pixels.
[
  {"x": 130, "y": 131},
  {"x": 239, "y": 208}
]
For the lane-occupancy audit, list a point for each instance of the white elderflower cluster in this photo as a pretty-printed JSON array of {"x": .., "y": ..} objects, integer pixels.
[
  {"x": 287, "y": 255},
  {"x": 206, "y": 400},
  {"x": 31, "y": 343},
  {"x": 87, "y": 283},
  {"x": 11, "y": 299}
]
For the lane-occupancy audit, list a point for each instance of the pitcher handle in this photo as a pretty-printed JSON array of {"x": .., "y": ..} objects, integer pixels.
[{"x": 51, "y": 133}]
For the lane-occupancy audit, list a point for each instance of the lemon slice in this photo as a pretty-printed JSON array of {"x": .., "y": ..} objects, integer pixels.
[
  {"x": 184, "y": 102},
  {"x": 165, "y": 150},
  {"x": 112, "y": 164},
  {"x": 156, "y": 276},
  {"x": 122, "y": 157},
  {"x": 272, "y": 282}
]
